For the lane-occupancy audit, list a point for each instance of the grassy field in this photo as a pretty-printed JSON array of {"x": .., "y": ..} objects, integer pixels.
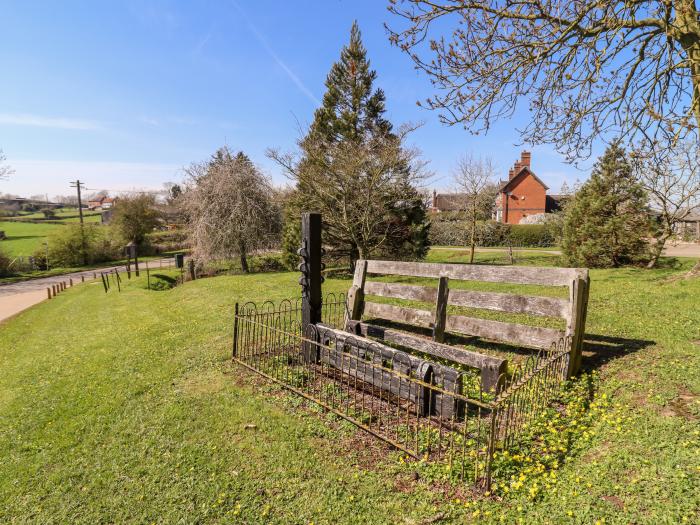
[
  {"x": 24, "y": 238},
  {"x": 126, "y": 408}
]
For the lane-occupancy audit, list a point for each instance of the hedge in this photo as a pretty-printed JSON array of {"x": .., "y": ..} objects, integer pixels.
[{"x": 491, "y": 233}]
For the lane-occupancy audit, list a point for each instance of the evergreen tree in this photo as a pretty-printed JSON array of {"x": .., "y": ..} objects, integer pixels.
[
  {"x": 355, "y": 170},
  {"x": 606, "y": 223}
]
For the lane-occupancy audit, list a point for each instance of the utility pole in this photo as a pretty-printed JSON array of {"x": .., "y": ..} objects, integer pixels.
[{"x": 78, "y": 186}]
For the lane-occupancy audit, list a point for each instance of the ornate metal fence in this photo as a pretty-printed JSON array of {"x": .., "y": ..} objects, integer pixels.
[{"x": 418, "y": 408}]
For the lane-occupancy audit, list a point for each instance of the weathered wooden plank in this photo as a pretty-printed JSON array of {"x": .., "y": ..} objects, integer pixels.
[
  {"x": 512, "y": 303},
  {"x": 410, "y": 292},
  {"x": 363, "y": 349},
  {"x": 520, "y": 334},
  {"x": 491, "y": 367},
  {"x": 400, "y": 314},
  {"x": 577, "y": 323},
  {"x": 478, "y": 272},
  {"x": 441, "y": 310}
]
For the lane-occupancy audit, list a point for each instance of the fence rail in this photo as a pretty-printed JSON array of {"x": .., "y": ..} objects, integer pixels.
[{"x": 428, "y": 410}]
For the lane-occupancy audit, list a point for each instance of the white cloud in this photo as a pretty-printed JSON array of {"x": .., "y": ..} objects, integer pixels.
[{"x": 41, "y": 121}]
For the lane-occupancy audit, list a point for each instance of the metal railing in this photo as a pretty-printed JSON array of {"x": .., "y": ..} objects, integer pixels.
[{"x": 420, "y": 407}]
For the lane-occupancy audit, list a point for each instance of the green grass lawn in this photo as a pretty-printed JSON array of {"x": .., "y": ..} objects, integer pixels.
[
  {"x": 24, "y": 238},
  {"x": 126, "y": 408}
]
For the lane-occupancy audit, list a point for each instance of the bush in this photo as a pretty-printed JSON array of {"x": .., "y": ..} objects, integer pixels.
[
  {"x": 66, "y": 247},
  {"x": 267, "y": 263},
  {"x": 492, "y": 233},
  {"x": 4, "y": 265}
]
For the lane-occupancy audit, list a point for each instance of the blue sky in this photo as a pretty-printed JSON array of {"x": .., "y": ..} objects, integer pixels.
[{"x": 123, "y": 95}]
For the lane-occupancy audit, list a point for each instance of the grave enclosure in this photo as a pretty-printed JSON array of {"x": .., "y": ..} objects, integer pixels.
[{"x": 381, "y": 358}]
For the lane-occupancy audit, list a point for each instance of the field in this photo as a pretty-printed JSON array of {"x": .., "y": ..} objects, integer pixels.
[
  {"x": 126, "y": 408},
  {"x": 25, "y": 238}
]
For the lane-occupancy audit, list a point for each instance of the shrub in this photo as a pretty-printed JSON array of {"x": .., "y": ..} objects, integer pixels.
[
  {"x": 167, "y": 241},
  {"x": 66, "y": 247},
  {"x": 267, "y": 263},
  {"x": 492, "y": 233},
  {"x": 4, "y": 265},
  {"x": 605, "y": 224}
]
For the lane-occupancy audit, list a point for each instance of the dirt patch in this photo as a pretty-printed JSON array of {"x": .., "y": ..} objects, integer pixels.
[
  {"x": 684, "y": 405},
  {"x": 615, "y": 501}
]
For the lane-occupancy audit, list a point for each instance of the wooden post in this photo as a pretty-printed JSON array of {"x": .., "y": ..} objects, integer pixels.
[
  {"x": 441, "y": 310},
  {"x": 190, "y": 263},
  {"x": 128, "y": 268},
  {"x": 148, "y": 277},
  {"x": 48, "y": 291},
  {"x": 356, "y": 294},
  {"x": 94, "y": 275},
  {"x": 82, "y": 278},
  {"x": 118, "y": 279},
  {"x": 71, "y": 282},
  {"x": 311, "y": 279},
  {"x": 136, "y": 263},
  {"x": 578, "y": 297},
  {"x": 104, "y": 282}
]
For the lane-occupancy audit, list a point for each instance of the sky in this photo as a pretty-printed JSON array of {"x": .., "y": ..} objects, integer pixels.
[{"x": 123, "y": 95}]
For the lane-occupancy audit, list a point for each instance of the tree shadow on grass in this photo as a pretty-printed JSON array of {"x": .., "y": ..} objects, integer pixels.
[{"x": 601, "y": 349}]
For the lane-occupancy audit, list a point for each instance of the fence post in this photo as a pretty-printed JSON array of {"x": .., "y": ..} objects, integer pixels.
[
  {"x": 311, "y": 279},
  {"x": 235, "y": 331},
  {"x": 191, "y": 268},
  {"x": 148, "y": 277},
  {"x": 48, "y": 291},
  {"x": 441, "y": 310},
  {"x": 82, "y": 278},
  {"x": 71, "y": 282}
]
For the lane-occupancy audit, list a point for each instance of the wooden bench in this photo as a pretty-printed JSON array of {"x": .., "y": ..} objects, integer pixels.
[{"x": 571, "y": 309}]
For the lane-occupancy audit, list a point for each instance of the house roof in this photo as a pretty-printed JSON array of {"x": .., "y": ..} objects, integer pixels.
[
  {"x": 449, "y": 201},
  {"x": 518, "y": 176}
]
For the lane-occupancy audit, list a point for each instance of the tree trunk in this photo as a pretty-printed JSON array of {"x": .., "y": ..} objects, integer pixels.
[
  {"x": 242, "y": 250},
  {"x": 472, "y": 241},
  {"x": 658, "y": 248}
]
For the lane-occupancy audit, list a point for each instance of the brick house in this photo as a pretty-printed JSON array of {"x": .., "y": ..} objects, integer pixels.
[{"x": 523, "y": 194}]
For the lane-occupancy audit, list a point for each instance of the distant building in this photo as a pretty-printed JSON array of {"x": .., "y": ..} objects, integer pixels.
[
  {"x": 521, "y": 196},
  {"x": 101, "y": 202}
]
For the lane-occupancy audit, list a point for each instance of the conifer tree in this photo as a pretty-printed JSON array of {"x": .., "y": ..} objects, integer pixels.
[
  {"x": 606, "y": 223},
  {"x": 353, "y": 167}
]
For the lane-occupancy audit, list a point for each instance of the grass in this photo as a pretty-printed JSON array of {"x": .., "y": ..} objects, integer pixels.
[
  {"x": 25, "y": 238},
  {"x": 126, "y": 408}
]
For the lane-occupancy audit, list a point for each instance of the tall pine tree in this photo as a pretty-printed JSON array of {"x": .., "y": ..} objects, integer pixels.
[
  {"x": 606, "y": 223},
  {"x": 354, "y": 169}
]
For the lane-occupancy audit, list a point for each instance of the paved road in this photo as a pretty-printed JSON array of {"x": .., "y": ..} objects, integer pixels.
[{"x": 16, "y": 297}]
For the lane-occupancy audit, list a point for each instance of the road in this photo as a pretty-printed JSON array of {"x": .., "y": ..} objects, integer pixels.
[{"x": 15, "y": 297}]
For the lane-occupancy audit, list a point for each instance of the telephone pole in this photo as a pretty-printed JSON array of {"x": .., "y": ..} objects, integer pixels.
[{"x": 78, "y": 186}]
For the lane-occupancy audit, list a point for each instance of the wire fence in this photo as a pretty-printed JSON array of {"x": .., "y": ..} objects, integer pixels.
[{"x": 429, "y": 410}]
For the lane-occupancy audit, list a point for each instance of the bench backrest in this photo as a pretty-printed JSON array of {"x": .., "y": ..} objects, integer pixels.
[{"x": 571, "y": 309}]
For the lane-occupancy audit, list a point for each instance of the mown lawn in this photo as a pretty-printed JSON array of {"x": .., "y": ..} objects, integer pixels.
[
  {"x": 25, "y": 238},
  {"x": 125, "y": 408}
]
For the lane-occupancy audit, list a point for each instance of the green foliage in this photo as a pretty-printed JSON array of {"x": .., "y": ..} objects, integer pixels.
[
  {"x": 49, "y": 213},
  {"x": 135, "y": 216},
  {"x": 355, "y": 170},
  {"x": 67, "y": 246},
  {"x": 606, "y": 223},
  {"x": 492, "y": 233},
  {"x": 4, "y": 264}
]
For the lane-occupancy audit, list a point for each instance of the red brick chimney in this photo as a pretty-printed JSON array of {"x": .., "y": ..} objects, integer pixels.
[
  {"x": 525, "y": 158},
  {"x": 511, "y": 173}
]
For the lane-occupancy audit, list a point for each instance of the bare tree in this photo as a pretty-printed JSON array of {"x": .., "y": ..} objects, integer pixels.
[
  {"x": 673, "y": 185},
  {"x": 229, "y": 207},
  {"x": 5, "y": 169},
  {"x": 358, "y": 186},
  {"x": 586, "y": 68},
  {"x": 473, "y": 177}
]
